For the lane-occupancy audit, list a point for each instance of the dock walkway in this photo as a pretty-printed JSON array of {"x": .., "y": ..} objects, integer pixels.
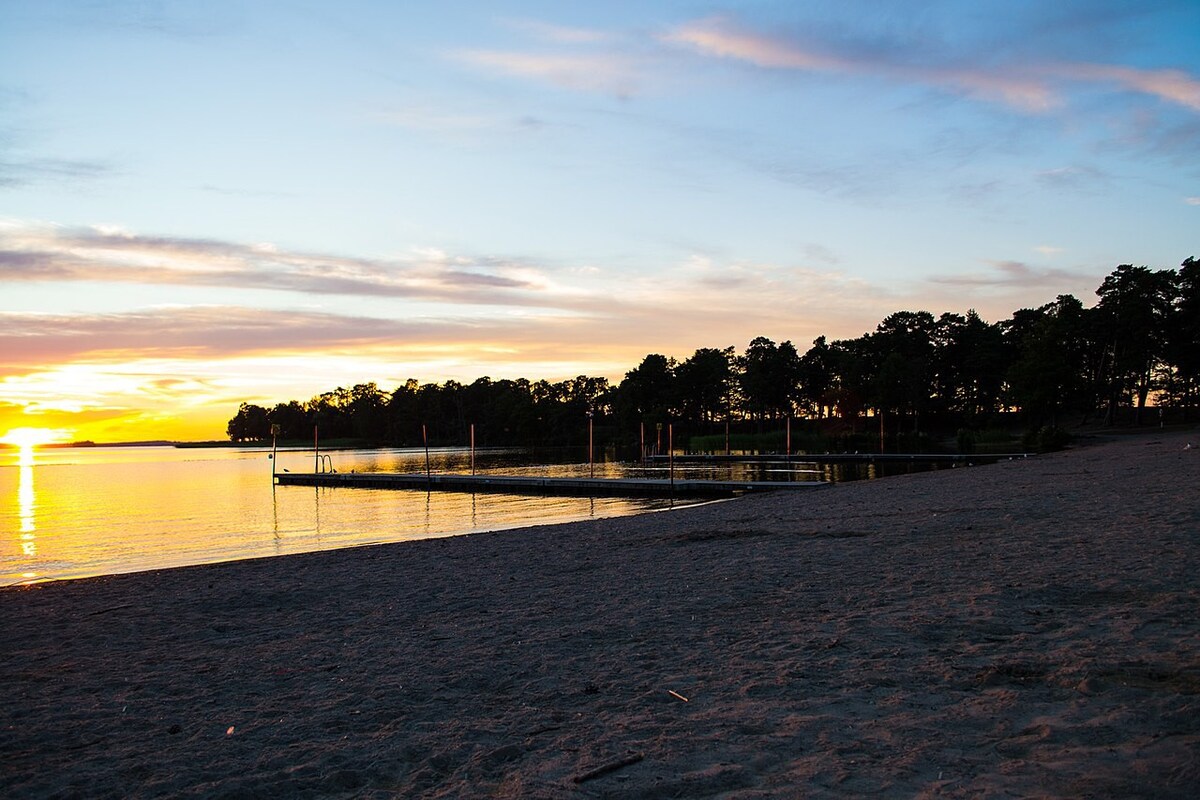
[
  {"x": 519, "y": 484},
  {"x": 839, "y": 458}
]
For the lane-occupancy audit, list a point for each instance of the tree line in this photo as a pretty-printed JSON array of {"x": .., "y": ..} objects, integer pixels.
[{"x": 1058, "y": 363}]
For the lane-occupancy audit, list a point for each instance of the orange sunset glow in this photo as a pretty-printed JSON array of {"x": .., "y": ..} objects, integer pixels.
[
  {"x": 32, "y": 437},
  {"x": 543, "y": 192}
]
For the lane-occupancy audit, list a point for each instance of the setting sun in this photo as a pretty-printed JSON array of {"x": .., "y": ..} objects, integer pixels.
[{"x": 31, "y": 437}]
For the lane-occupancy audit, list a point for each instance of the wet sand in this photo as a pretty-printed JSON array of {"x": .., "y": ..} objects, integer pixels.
[{"x": 1029, "y": 628}]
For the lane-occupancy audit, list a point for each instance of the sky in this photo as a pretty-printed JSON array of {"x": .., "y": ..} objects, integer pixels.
[{"x": 209, "y": 203}]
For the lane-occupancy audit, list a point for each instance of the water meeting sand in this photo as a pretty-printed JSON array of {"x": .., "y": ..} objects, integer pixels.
[{"x": 1026, "y": 628}]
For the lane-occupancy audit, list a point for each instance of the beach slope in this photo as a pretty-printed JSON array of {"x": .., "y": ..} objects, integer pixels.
[{"x": 1026, "y": 628}]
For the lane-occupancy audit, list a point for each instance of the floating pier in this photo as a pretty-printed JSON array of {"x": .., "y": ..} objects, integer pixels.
[
  {"x": 520, "y": 484},
  {"x": 842, "y": 458}
]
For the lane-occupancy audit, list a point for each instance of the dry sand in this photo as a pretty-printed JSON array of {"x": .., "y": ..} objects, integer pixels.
[{"x": 1024, "y": 629}]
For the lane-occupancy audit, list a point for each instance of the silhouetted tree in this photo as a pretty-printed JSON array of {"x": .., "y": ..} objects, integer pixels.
[
  {"x": 703, "y": 384},
  {"x": 769, "y": 378},
  {"x": 647, "y": 394},
  {"x": 1049, "y": 357},
  {"x": 970, "y": 359},
  {"x": 904, "y": 350},
  {"x": 853, "y": 365},
  {"x": 816, "y": 377},
  {"x": 1182, "y": 350},
  {"x": 1135, "y": 305},
  {"x": 250, "y": 424},
  {"x": 292, "y": 419}
]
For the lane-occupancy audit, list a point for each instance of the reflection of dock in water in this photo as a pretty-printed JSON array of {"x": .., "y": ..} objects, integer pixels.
[{"x": 532, "y": 485}]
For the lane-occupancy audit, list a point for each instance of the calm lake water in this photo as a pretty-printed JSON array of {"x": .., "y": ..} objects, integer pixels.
[{"x": 78, "y": 512}]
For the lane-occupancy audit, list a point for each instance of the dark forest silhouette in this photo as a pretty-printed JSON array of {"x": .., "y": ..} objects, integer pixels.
[{"x": 1051, "y": 366}]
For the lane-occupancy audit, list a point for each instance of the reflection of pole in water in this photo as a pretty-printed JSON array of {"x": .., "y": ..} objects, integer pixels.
[
  {"x": 317, "y": 512},
  {"x": 274, "y": 511},
  {"x": 425, "y": 439},
  {"x": 26, "y": 499}
]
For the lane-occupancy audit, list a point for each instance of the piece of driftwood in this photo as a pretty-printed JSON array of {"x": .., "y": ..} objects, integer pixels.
[
  {"x": 611, "y": 766},
  {"x": 110, "y": 608}
]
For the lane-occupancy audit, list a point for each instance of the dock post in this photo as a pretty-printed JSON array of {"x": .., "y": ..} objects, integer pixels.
[
  {"x": 425, "y": 439},
  {"x": 316, "y": 451},
  {"x": 591, "y": 451},
  {"x": 274, "y": 450},
  {"x": 472, "y": 448},
  {"x": 671, "y": 456}
]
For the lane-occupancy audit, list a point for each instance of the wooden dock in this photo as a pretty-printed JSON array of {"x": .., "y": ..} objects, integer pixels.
[
  {"x": 841, "y": 458},
  {"x": 519, "y": 484}
]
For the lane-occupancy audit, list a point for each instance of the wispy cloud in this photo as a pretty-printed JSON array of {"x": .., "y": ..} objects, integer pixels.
[
  {"x": 605, "y": 73},
  {"x": 562, "y": 34},
  {"x": 45, "y": 253},
  {"x": 573, "y": 58},
  {"x": 1016, "y": 274},
  {"x": 203, "y": 332},
  {"x": 22, "y": 172},
  {"x": 722, "y": 38},
  {"x": 1073, "y": 178},
  {"x": 1029, "y": 87},
  {"x": 1172, "y": 85}
]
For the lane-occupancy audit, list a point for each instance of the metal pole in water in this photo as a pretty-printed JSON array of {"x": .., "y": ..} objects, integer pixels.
[
  {"x": 591, "y": 460},
  {"x": 671, "y": 454},
  {"x": 425, "y": 439},
  {"x": 316, "y": 451},
  {"x": 472, "y": 448},
  {"x": 274, "y": 450}
]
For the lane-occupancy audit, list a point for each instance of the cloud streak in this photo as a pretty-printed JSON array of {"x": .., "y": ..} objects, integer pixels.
[
  {"x": 1029, "y": 88},
  {"x": 604, "y": 73},
  {"x": 719, "y": 37},
  {"x": 1172, "y": 85},
  {"x": 1016, "y": 274},
  {"x": 23, "y": 172},
  {"x": 40, "y": 254}
]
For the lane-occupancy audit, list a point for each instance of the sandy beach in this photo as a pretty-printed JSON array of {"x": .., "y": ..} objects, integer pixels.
[{"x": 1030, "y": 628}]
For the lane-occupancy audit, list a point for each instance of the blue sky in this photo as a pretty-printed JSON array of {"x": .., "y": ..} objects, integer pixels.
[{"x": 204, "y": 203}]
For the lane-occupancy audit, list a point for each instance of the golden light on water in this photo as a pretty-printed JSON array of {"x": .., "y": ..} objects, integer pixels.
[
  {"x": 26, "y": 439},
  {"x": 26, "y": 502}
]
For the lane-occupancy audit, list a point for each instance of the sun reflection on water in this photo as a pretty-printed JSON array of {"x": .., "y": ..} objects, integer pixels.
[
  {"x": 26, "y": 439},
  {"x": 26, "y": 499},
  {"x": 26, "y": 505}
]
